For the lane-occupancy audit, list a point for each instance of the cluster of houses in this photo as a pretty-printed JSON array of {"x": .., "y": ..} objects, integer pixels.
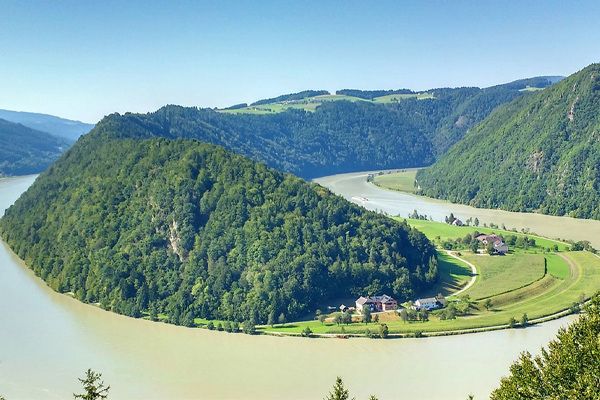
[
  {"x": 499, "y": 246},
  {"x": 387, "y": 303}
]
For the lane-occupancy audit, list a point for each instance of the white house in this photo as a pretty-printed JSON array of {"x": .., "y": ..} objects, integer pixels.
[{"x": 430, "y": 303}]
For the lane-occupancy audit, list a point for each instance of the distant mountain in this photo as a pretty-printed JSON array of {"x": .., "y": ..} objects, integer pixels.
[
  {"x": 539, "y": 153},
  {"x": 26, "y": 151},
  {"x": 189, "y": 230},
  {"x": 48, "y": 123}
]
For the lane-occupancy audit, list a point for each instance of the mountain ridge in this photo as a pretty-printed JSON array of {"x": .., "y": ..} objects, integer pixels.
[{"x": 539, "y": 153}]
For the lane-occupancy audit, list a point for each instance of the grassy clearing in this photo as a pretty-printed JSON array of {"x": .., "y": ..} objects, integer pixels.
[
  {"x": 402, "y": 181},
  {"x": 311, "y": 103},
  {"x": 501, "y": 274},
  {"x": 399, "y": 97},
  {"x": 433, "y": 230},
  {"x": 398, "y": 181},
  {"x": 556, "y": 266}
]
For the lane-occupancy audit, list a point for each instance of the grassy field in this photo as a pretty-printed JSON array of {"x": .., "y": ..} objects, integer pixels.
[
  {"x": 311, "y": 103},
  {"x": 390, "y": 98},
  {"x": 556, "y": 266},
  {"x": 544, "y": 297},
  {"x": 502, "y": 274},
  {"x": 398, "y": 181},
  {"x": 445, "y": 232}
]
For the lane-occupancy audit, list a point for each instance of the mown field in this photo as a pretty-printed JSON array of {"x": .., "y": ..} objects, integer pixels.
[{"x": 311, "y": 103}]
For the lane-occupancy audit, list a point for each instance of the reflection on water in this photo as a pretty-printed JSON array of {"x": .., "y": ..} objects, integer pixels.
[{"x": 47, "y": 340}]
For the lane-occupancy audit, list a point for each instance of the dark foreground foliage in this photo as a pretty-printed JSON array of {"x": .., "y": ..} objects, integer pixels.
[{"x": 568, "y": 369}]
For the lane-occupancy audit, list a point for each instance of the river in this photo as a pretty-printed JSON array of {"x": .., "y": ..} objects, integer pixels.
[
  {"x": 394, "y": 203},
  {"x": 48, "y": 340}
]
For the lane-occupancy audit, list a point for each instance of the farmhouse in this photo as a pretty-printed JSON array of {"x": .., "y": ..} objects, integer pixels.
[
  {"x": 376, "y": 303},
  {"x": 499, "y": 246},
  {"x": 429, "y": 303}
]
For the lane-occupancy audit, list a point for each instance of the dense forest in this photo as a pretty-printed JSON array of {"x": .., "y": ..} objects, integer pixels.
[
  {"x": 26, "y": 151},
  {"x": 539, "y": 153},
  {"x": 189, "y": 229}
]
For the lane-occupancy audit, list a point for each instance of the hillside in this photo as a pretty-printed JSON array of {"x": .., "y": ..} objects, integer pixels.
[
  {"x": 48, "y": 123},
  {"x": 338, "y": 136},
  {"x": 26, "y": 151},
  {"x": 188, "y": 229},
  {"x": 539, "y": 153},
  {"x": 441, "y": 115}
]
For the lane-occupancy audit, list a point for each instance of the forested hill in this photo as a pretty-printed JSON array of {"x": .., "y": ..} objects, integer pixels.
[
  {"x": 26, "y": 151},
  {"x": 190, "y": 229},
  {"x": 539, "y": 153},
  {"x": 339, "y": 136}
]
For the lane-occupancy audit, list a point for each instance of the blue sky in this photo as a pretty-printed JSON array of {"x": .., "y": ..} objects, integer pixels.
[{"x": 86, "y": 59}]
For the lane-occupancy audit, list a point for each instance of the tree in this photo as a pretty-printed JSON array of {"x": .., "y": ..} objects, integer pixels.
[
  {"x": 512, "y": 322},
  {"x": 366, "y": 317},
  {"x": 337, "y": 319},
  {"x": 474, "y": 246},
  {"x": 339, "y": 392},
  {"x": 524, "y": 320},
  {"x": 476, "y": 221},
  {"x": 93, "y": 385},
  {"x": 346, "y": 318},
  {"x": 249, "y": 327},
  {"x": 404, "y": 314},
  {"x": 281, "y": 319},
  {"x": 322, "y": 318},
  {"x": 271, "y": 320},
  {"x": 376, "y": 318},
  {"x": 487, "y": 304},
  {"x": 383, "y": 331},
  {"x": 306, "y": 332}
]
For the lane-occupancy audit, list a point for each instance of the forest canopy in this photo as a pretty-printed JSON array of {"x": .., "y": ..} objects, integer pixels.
[
  {"x": 189, "y": 229},
  {"x": 539, "y": 153}
]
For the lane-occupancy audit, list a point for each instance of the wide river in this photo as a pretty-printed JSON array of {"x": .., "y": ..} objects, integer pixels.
[{"x": 48, "y": 340}]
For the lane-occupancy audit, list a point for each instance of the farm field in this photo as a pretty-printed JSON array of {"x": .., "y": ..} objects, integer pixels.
[
  {"x": 503, "y": 274},
  {"x": 311, "y": 103}
]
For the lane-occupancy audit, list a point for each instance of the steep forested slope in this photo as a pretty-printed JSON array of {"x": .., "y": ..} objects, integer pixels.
[
  {"x": 340, "y": 136},
  {"x": 540, "y": 153},
  {"x": 192, "y": 230},
  {"x": 26, "y": 151}
]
